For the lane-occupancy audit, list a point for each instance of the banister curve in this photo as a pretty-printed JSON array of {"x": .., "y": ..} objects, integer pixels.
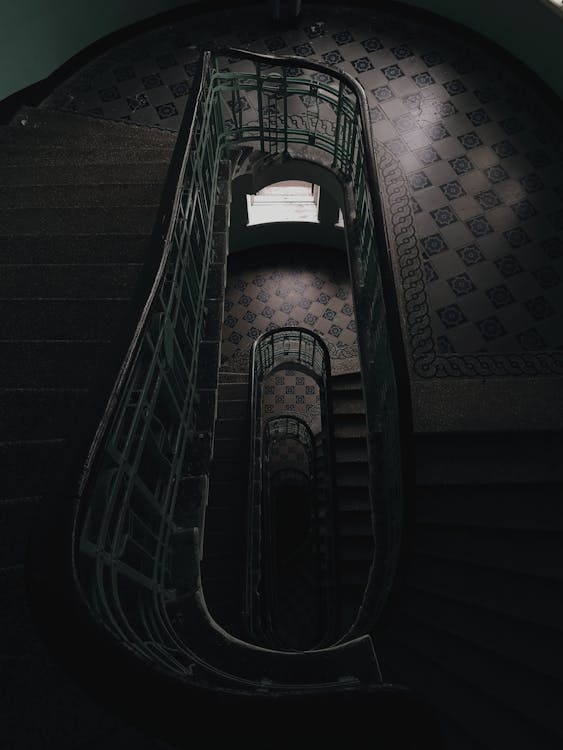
[{"x": 132, "y": 556}]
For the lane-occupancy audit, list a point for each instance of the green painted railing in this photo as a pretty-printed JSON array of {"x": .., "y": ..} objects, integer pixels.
[
  {"x": 289, "y": 427},
  {"x": 129, "y": 494},
  {"x": 131, "y": 518}
]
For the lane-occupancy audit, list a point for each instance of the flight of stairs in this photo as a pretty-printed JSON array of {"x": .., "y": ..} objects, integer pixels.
[
  {"x": 78, "y": 200},
  {"x": 224, "y": 561},
  {"x": 477, "y": 628},
  {"x": 354, "y": 535}
]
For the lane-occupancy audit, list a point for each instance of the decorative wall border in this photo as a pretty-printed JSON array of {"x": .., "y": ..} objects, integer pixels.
[{"x": 405, "y": 251}]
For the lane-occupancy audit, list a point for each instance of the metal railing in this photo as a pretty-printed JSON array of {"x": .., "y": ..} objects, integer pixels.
[
  {"x": 289, "y": 427},
  {"x": 278, "y": 431},
  {"x": 319, "y": 470},
  {"x": 129, "y": 518},
  {"x": 293, "y": 349}
]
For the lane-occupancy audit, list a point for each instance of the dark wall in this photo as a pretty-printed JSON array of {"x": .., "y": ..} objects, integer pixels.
[{"x": 37, "y": 36}]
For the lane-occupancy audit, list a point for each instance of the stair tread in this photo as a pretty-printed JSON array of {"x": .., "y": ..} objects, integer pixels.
[
  {"x": 71, "y": 122},
  {"x": 537, "y": 648},
  {"x": 476, "y": 713},
  {"x": 112, "y": 154},
  {"x": 73, "y": 248},
  {"x": 70, "y": 221},
  {"x": 61, "y": 320},
  {"x": 86, "y": 196},
  {"x": 88, "y": 280},
  {"x": 510, "y": 684},
  {"x": 123, "y": 172}
]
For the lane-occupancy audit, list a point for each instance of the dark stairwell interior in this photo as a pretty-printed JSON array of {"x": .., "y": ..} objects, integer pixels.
[{"x": 475, "y": 626}]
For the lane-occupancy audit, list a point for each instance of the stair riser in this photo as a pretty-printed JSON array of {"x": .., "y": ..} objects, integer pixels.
[
  {"x": 72, "y": 125},
  {"x": 37, "y": 415},
  {"x": 231, "y": 429},
  {"x": 69, "y": 281},
  {"x": 32, "y": 469},
  {"x": 71, "y": 221},
  {"x": 232, "y": 410},
  {"x": 16, "y": 519},
  {"x": 16, "y": 157},
  {"x": 61, "y": 320},
  {"x": 121, "y": 172},
  {"x": 18, "y": 136},
  {"x": 527, "y": 507},
  {"x": 82, "y": 196},
  {"x": 43, "y": 365},
  {"x": 497, "y": 458},
  {"x": 80, "y": 248}
]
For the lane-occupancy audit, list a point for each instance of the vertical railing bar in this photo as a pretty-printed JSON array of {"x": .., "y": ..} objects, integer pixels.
[{"x": 260, "y": 111}]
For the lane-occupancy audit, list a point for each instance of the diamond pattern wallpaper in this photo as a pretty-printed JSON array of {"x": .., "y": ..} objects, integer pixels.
[
  {"x": 281, "y": 286},
  {"x": 470, "y": 167}
]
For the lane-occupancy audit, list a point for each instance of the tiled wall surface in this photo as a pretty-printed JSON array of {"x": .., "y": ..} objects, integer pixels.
[
  {"x": 294, "y": 394},
  {"x": 279, "y": 286},
  {"x": 470, "y": 162}
]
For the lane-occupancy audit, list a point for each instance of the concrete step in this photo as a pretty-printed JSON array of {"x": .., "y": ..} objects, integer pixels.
[
  {"x": 14, "y": 156},
  {"x": 533, "y": 698},
  {"x": 77, "y": 248},
  {"x": 57, "y": 173},
  {"x": 84, "y": 134},
  {"x": 528, "y": 598},
  {"x": 39, "y": 414},
  {"x": 61, "y": 320},
  {"x": 352, "y": 475},
  {"x": 69, "y": 281},
  {"x": 33, "y": 467},
  {"x": 232, "y": 429},
  {"x": 72, "y": 221},
  {"x": 232, "y": 409},
  {"x": 536, "y": 552},
  {"x": 83, "y": 196},
  {"x": 537, "y": 648},
  {"x": 354, "y": 523},
  {"x": 354, "y": 499},
  {"x": 356, "y": 549},
  {"x": 345, "y": 404},
  {"x": 73, "y": 126},
  {"x": 350, "y": 449},
  {"x": 348, "y": 381},
  {"x": 233, "y": 377},
  {"x": 16, "y": 517},
  {"x": 470, "y": 719},
  {"x": 349, "y": 426},
  {"x": 233, "y": 391},
  {"x": 489, "y": 458},
  {"x": 525, "y": 506},
  {"x": 51, "y": 364}
]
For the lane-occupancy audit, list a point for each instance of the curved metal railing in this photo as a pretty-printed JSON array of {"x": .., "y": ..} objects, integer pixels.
[
  {"x": 134, "y": 559},
  {"x": 290, "y": 427},
  {"x": 317, "y": 546},
  {"x": 293, "y": 349}
]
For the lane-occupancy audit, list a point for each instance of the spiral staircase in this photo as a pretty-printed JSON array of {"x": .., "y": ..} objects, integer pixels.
[{"x": 470, "y": 620}]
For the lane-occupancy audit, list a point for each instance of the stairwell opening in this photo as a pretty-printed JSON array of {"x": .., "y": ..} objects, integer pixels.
[{"x": 268, "y": 287}]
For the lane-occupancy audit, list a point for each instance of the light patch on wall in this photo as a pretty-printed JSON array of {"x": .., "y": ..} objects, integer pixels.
[
  {"x": 556, "y": 5},
  {"x": 290, "y": 200}
]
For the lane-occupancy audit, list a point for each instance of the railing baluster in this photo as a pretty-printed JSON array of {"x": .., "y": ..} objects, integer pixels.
[{"x": 155, "y": 385}]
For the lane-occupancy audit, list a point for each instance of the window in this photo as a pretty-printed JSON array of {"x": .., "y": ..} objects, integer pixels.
[{"x": 290, "y": 200}]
